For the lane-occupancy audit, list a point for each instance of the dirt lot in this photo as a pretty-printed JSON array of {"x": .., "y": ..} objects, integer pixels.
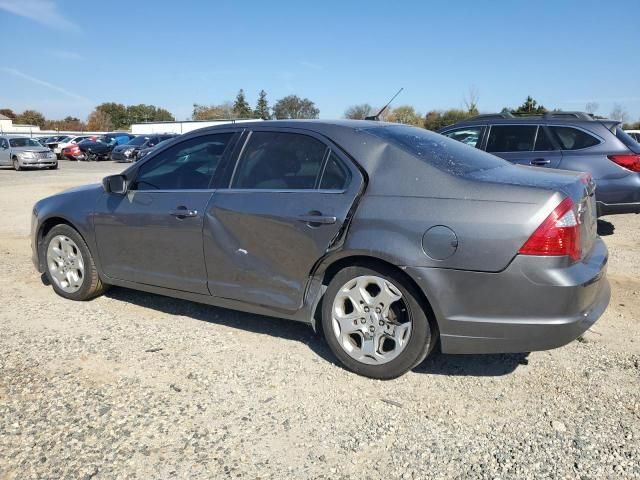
[{"x": 133, "y": 385}]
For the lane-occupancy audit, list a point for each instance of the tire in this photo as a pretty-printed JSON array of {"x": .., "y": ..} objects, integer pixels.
[
  {"x": 16, "y": 164},
  {"x": 407, "y": 322},
  {"x": 80, "y": 287}
]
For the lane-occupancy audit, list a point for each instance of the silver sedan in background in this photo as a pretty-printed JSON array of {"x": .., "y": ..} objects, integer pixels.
[{"x": 24, "y": 152}]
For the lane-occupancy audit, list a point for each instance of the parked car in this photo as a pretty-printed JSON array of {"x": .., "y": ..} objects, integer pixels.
[
  {"x": 564, "y": 140},
  {"x": 145, "y": 151},
  {"x": 635, "y": 134},
  {"x": 66, "y": 142},
  {"x": 100, "y": 149},
  {"x": 393, "y": 238},
  {"x": 41, "y": 140},
  {"x": 24, "y": 152},
  {"x": 72, "y": 152},
  {"x": 52, "y": 142},
  {"x": 129, "y": 151}
]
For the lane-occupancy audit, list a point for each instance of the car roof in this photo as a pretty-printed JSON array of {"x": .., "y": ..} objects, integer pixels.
[{"x": 555, "y": 118}]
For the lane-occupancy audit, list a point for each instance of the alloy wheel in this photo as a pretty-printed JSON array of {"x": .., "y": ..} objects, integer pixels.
[
  {"x": 65, "y": 263},
  {"x": 370, "y": 320}
]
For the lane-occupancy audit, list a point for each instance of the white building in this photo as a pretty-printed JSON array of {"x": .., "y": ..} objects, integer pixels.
[
  {"x": 179, "y": 127},
  {"x": 7, "y": 126}
]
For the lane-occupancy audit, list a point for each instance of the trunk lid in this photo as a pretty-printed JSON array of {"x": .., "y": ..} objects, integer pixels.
[{"x": 580, "y": 187}]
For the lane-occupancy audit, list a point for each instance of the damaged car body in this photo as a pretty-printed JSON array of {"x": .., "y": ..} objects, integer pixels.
[{"x": 387, "y": 238}]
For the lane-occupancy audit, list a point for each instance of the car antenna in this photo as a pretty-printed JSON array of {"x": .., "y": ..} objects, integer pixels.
[{"x": 376, "y": 117}]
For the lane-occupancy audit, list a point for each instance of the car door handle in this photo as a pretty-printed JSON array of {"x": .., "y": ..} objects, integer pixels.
[
  {"x": 317, "y": 219},
  {"x": 540, "y": 161},
  {"x": 184, "y": 212}
]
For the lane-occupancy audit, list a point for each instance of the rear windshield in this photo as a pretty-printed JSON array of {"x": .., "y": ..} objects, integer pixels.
[
  {"x": 631, "y": 143},
  {"x": 443, "y": 153}
]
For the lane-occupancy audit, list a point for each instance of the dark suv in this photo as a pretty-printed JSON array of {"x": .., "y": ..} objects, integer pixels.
[{"x": 566, "y": 140}]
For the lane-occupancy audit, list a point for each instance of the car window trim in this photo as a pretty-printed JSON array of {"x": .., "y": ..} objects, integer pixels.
[
  {"x": 320, "y": 138},
  {"x": 228, "y": 149}
]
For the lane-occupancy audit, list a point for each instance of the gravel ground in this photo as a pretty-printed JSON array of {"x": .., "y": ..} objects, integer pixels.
[{"x": 134, "y": 385}]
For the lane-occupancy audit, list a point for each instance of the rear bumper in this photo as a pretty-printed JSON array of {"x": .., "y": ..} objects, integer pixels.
[
  {"x": 618, "y": 195},
  {"x": 617, "y": 208},
  {"x": 537, "y": 303}
]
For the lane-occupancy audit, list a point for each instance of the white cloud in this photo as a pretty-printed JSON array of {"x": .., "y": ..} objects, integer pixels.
[
  {"x": 41, "y": 11},
  {"x": 43, "y": 83}
]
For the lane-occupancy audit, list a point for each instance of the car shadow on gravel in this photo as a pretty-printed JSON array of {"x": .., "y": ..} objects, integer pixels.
[
  {"x": 486, "y": 365},
  {"x": 605, "y": 228},
  {"x": 275, "y": 327}
]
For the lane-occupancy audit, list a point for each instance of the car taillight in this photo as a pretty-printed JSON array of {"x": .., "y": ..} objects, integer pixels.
[
  {"x": 629, "y": 161},
  {"x": 558, "y": 235}
]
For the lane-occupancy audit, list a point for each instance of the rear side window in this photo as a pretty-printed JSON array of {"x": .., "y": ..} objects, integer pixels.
[
  {"x": 543, "y": 141},
  {"x": 280, "y": 161},
  {"x": 573, "y": 139},
  {"x": 511, "y": 138},
  {"x": 441, "y": 152},
  {"x": 469, "y": 136},
  {"x": 335, "y": 176}
]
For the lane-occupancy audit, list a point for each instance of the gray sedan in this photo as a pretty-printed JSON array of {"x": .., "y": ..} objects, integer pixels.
[
  {"x": 23, "y": 152},
  {"x": 388, "y": 239}
]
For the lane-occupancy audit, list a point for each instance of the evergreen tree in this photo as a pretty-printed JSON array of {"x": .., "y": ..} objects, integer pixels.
[
  {"x": 241, "y": 108},
  {"x": 262, "y": 107}
]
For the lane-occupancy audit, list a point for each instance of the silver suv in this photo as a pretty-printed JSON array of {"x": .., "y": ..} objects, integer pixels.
[
  {"x": 24, "y": 152},
  {"x": 564, "y": 140}
]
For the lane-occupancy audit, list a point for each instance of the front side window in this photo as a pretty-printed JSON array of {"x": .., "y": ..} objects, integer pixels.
[
  {"x": 279, "y": 161},
  {"x": 573, "y": 139},
  {"x": 4, "y": 144},
  {"x": 469, "y": 136},
  {"x": 511, "y": 138},
  {"x": 188, "y": 165}
]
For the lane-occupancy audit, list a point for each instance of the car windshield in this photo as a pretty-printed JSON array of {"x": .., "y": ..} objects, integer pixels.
[
  {"x": 137, "y": 141},
  {"x": 443, "y": 153},
  {"x": 24, "y": 142}
]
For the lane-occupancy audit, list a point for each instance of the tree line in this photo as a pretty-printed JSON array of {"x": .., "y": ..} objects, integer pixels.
[
  {"x": 116, "y": 116},
  {"x": 289, "y": 107},
  {"x": 437, "y": 119},
  {"x": 106, "y": 116}
]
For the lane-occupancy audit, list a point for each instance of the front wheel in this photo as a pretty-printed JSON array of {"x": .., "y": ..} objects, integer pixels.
[
  {"x": 16, "y": 165},
  {"x": 374, "y": 322},
  {"x": 71, "y": 269}
]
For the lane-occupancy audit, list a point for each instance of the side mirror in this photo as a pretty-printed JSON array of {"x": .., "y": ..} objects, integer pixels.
[{"x": 115, "y": 184}]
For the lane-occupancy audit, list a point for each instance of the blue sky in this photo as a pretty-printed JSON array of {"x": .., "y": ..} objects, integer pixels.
[{"x": 63, "y": 57}]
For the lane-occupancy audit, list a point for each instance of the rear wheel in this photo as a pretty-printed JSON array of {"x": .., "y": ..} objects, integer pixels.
[
  {"x": 16, "y": 164},
  {"x": 374, "y": 322},
  {"x": 71, "y": 269}
]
